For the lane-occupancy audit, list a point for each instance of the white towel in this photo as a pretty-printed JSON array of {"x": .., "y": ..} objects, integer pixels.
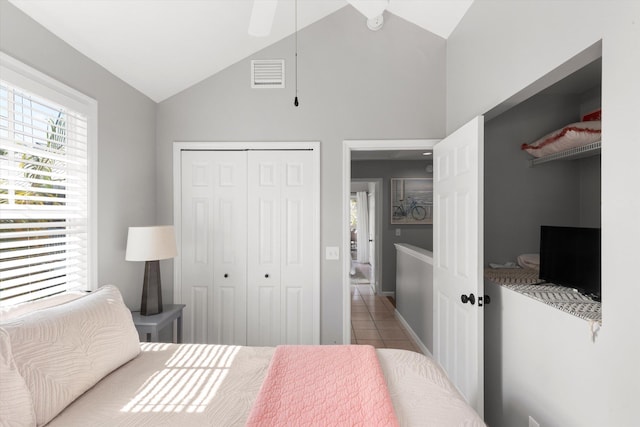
[
  {"x": 509, "y": 264},
  {"x": 529, "y": 261}
]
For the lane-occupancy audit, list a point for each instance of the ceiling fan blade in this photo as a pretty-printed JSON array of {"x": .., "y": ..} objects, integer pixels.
[
  {"x": 262, "y": 15},
  {"x": 370, "y": 8}
]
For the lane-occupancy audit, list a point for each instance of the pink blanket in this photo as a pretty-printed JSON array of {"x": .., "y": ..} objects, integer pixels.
[{"x": 323, "y": 385}]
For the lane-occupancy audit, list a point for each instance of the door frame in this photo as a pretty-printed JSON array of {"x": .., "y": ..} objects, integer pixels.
[
  {"x": 313, "y": 146},
  {"x": 363, "y": 145}
]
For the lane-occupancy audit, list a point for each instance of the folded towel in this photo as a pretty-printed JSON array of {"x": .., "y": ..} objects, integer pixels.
[
  {"x": 529, "y": 261},
  {"x": 509, "y": 264}
]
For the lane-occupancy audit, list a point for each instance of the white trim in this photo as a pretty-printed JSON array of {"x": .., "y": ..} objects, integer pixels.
[
  {"x": 314, "y": 146},
  {"x": 92, "y": 159},
  {"x": 416, "y": 252},
  {"x": 347, "y": 147},
  {"x": 29, "y": 78},
  {"x": 43, "y": 85}
]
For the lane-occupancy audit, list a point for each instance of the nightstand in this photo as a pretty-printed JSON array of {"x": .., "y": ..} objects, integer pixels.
[{"x": 150, "y": 326}]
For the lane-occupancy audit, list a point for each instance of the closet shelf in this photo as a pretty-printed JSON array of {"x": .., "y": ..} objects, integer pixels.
[{"x": 588, "y": 150}]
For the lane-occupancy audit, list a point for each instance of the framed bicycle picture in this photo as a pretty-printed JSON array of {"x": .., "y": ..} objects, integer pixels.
[{"x": 411, "y": 201}]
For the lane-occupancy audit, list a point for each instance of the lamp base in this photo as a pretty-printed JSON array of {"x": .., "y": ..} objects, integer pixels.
[{"x": 151, "y": 289}]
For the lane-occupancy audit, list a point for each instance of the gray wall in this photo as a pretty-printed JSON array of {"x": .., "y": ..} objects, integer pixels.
[
  {"x": 518, "y": 198},
  {"x": 417, "y": 235},
  {"x": 126, "y": 137},
  {"x": 352, "y": 83},
  {"x": 500, "y": 48},
  {"x": 414, "y": 300}
]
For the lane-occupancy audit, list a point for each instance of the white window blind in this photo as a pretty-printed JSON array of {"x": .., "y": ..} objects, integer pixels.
[{"x": 44, "y": 200}]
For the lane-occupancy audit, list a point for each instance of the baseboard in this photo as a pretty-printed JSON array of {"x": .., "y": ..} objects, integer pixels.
[
  {"x": 414, "y": 337},
  {"x": 391, "y": 294}
]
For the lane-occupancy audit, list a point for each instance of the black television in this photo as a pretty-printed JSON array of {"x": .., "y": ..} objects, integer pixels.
[{"x": 570, "y": 256}]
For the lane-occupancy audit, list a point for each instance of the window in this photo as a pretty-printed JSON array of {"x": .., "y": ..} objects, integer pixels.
[{"x": 47, "y": 139}]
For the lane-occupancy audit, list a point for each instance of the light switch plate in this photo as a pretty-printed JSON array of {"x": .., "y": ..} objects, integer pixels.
[
  {"x": 398, "y": 231},
  {"x": 332, "y": 253}
]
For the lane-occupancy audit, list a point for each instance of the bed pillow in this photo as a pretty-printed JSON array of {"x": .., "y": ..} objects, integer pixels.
[
  {"x": 64, "y": 350},
  {"x": 594, "y": 115},
  {"x": 12, "y": 311},
  {"x": 16, "y": 405},
  {"x": 570, "y": 136}
]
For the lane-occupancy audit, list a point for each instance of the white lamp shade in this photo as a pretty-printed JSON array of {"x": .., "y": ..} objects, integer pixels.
[{"x": 151, "y": 243}]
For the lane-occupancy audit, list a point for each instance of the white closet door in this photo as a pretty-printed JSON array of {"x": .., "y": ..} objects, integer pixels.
[
  {"x": 214, "y": 236},
  {"x": 280, "y": 269}
]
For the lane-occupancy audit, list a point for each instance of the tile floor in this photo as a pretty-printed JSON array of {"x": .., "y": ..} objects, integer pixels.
[{"x": 373, "y": 321}]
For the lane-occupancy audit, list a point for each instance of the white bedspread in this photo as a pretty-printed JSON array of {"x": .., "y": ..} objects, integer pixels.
[{"x": 199, "y": 385}]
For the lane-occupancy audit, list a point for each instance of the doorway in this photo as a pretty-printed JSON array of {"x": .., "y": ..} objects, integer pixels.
[
  {"x": 364, "y": 229},
  {"x": 385, "y": 149}
]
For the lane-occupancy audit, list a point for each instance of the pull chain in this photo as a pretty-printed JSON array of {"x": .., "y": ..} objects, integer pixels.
[{"x": 295, "y": 101}]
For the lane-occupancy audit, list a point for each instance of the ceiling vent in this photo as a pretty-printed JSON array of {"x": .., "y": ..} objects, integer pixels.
[{"x": 267, "y": 73}]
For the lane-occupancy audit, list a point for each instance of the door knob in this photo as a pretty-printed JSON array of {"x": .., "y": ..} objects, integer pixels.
[
  {"x": 266, "y": 276},
  {"x": 226, "y": 275},
  {"x": 486, "y": 299},
  {"x": 465, "y": 299}
]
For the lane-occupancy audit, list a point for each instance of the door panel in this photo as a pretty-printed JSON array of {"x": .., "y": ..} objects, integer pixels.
[
  {"x": 264, "y": 315},
  {"x": 294, "y": 315},
  {"x": 197, "y": 318},
  {"x": 247, "y": 239},
  {"x": 458, "y": 259},
  {"x": 280, "y": 242},
  {"x": 297, "y": 240},
  {"x": 294, "y": 220},
  {"x": 263, "y": 286},
  {"x": 214, "y": 246}
]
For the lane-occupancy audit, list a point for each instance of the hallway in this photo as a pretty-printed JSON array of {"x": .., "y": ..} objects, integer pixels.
[{"x": 373, "y": 320}]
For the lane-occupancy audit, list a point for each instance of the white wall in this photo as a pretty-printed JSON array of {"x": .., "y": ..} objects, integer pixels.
[
  {"x": 500, "y": 48},
  {"x": 126, "y": 131},
  {"x": 541, "y": 362},
  {"x": 353, "y": 84}
]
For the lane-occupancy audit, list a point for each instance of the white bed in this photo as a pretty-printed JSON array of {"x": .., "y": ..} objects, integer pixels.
[{"x": 175, "y": 384}]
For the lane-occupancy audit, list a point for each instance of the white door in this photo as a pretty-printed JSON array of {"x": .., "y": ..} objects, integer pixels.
[
  {"x": 372, "y": 239},
  {"x": 213, "y": 246},
  {"x": 458, "y": 259},
  {"x": 280, "y": 244}
]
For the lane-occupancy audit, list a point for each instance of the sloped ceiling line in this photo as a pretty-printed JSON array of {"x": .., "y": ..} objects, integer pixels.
[{"x": 162, "y": 48}]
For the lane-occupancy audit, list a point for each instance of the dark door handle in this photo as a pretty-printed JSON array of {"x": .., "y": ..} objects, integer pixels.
[
  {"x": 465, "y": 299},
  {"x": 226, "y": 275},
  {"x": 266, "y": 275},
  {"x": 486, "y": 300}
]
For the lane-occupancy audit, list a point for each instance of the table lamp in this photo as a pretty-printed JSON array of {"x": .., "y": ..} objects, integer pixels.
[{"x": 151, "y": 244}]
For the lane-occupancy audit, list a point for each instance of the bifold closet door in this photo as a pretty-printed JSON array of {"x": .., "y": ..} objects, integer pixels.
[
  {"x": 213, "y": 246},
  {"x": 280, "y": 239}
]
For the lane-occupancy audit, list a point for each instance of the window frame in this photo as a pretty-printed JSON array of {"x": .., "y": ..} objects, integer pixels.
[{"x": 19, "y": 74}]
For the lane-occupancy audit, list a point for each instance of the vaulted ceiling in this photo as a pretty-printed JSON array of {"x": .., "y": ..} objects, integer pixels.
[{"x": 163, "y": 47}]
